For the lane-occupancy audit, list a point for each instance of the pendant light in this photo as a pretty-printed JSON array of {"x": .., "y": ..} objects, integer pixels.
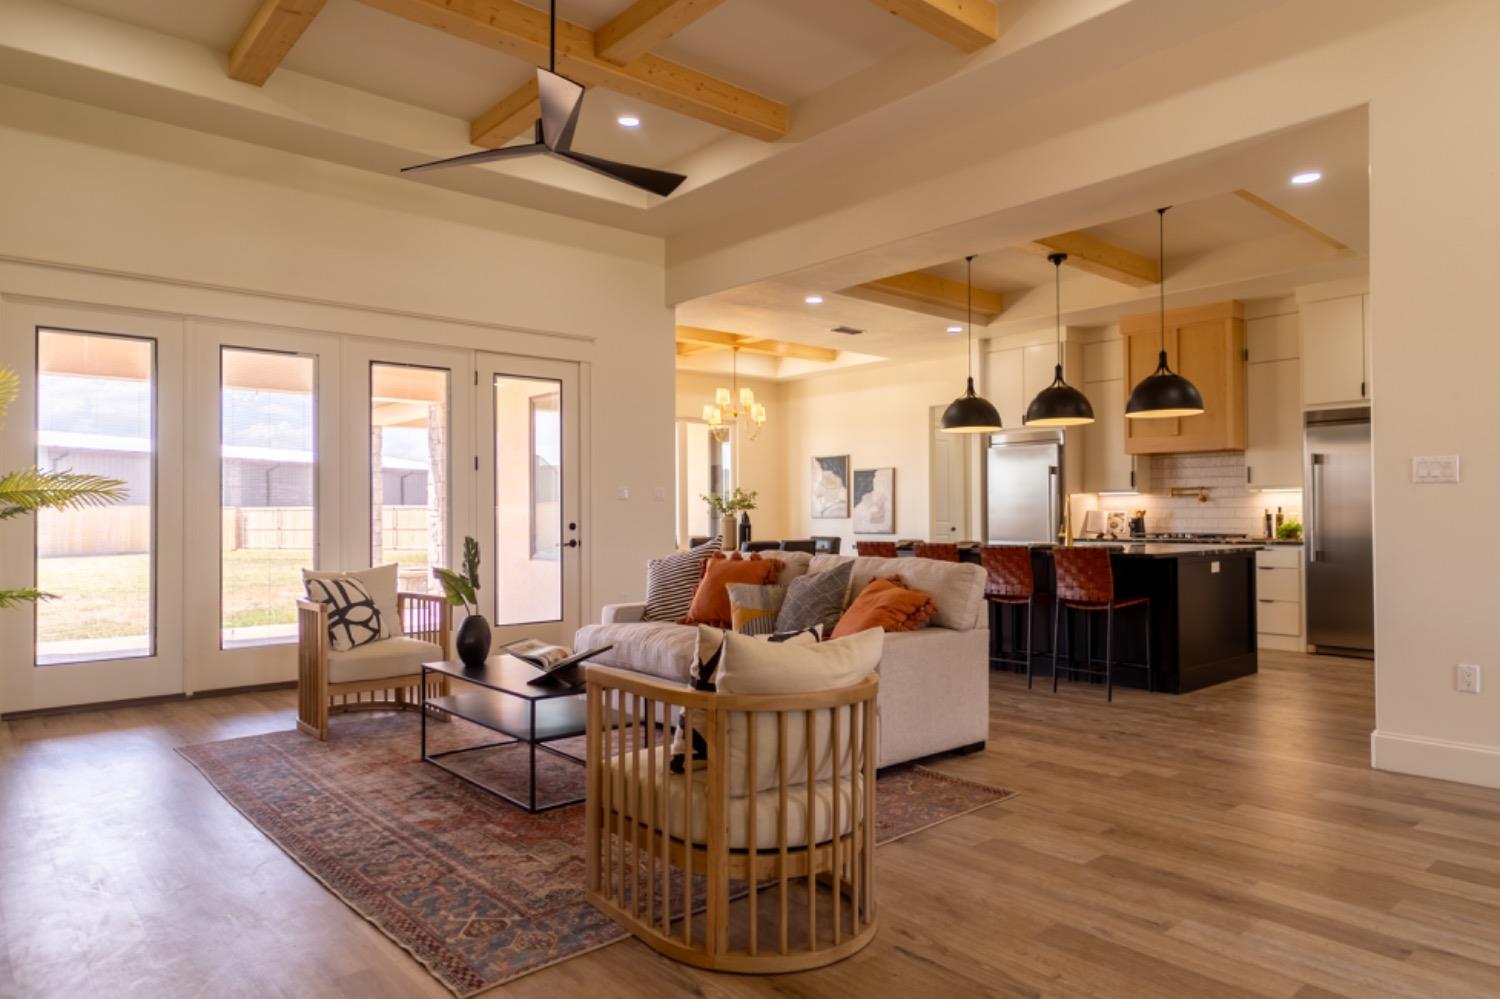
[
  {"x": 1163, "y": 394},
  {"x": 970, "y": 413},
  {"x": 1059, "y": 404}
]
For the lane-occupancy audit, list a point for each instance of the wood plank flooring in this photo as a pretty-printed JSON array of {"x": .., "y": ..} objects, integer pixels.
[{"x": 1228, "y": 843}]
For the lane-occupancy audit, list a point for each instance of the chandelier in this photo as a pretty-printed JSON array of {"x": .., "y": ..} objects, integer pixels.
[{"x": 730, "y": 404}]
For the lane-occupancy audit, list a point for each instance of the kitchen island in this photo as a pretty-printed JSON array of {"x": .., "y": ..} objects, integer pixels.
[{"x": 1202, "y": 615}]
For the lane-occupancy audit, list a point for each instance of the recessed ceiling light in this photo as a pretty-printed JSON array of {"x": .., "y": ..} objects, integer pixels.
[
  {"x": 955, "y": 329},
  {"x": 628, "y": 121},
  {"x": 1310, "y": 177},
  {"x": 814, "y": 300}
]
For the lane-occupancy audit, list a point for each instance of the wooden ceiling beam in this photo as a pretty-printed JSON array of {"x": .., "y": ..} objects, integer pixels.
[
  {"x": 697, "y": 335},
  {"x": 1094, "y": 256},
  {"x": 512, "y": 116},
  {"x": 968, "y": 25},
  {"x": 270, "y": 35},
  {"x": 521, "y": 31},
  {"x": 919, "y": 291},
  {"x": 644, "y": 25},
  {"x": 1290, "y": 219}
]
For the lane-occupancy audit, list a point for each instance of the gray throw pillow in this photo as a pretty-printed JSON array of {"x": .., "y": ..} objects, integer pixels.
[{"x": 815, "y": 599}]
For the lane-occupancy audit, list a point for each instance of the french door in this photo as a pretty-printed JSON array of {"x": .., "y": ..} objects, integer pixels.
[
  {"x": 100, "y": 393},
  {"x": 527, "y": 445}
]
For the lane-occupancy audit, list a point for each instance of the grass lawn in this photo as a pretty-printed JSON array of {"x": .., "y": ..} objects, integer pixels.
[{"x": 108, "y": 596}]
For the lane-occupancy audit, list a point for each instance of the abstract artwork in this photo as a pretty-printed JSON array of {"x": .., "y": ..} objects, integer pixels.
[
  {"x": 874, "y": 501},
  {"x": 830, "y": 488}
]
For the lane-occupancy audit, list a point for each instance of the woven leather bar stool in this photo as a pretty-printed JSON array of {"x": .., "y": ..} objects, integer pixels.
[
  {"x": 942, "y": 551},
  {"x": 1085, "y": 582},
  {"x": 875, "y": 549},
  {"x": 1008, "y": 582}
]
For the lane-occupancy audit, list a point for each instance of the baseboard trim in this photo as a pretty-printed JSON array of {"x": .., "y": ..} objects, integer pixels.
[
  {"x": 1464, "y": 762},
  {"x": 139, "y": 702}
]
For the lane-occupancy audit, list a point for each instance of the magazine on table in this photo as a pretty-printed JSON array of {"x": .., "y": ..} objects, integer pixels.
[{"x": 558, "y": 664}]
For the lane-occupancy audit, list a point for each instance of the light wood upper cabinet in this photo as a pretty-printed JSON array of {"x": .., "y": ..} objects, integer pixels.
[
  {"x": 1206, "y": 345},
  {"x": 1335, "y": 352}
]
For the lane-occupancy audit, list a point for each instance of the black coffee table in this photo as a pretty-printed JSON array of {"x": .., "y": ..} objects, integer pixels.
[{"x": 497, "y": 697}]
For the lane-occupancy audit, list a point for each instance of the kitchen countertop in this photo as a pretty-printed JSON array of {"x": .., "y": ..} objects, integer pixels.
[{"x": 1176, "y": 549}]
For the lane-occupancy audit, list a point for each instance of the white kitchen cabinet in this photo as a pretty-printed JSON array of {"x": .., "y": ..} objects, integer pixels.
[
  {"x": 1005, "y": 386},
  {"x": 1273, "y": 399},
  {"x": 1335, "y": 354},
  {"x": 1106, "y": 466},
  {"x": 1278, "y": 594}
]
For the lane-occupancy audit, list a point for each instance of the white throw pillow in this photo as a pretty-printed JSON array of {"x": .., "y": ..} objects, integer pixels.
[
  {"x": 749, "y": 666},
  {"x": 379, "y": 583}
]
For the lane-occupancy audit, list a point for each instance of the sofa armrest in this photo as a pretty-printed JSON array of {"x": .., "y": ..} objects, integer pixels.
[{"x": 623, "y": 613}]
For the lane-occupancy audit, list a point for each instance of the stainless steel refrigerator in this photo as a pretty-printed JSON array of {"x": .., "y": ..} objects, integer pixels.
[
  {"x": 1338, "y": 535},
  {"x": 1023, "y": 486}
]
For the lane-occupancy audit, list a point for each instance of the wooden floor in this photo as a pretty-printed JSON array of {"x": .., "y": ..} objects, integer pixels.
[{"x": 1232, "y": 842}]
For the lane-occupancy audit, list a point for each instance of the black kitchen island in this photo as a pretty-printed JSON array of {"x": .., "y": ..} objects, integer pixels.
[{"x": 1202, "y": 616}]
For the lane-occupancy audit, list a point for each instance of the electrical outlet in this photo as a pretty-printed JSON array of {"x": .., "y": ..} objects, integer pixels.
[
  {"x": 1468, "y": 678},
  {"x": 1434, "y": 468},
  {"x": 622, "y": 492}
]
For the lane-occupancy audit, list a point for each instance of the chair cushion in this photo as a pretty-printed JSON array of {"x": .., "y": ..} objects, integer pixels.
[
  {"x": 634, "y": 770},
  {"x": 711, "y": 601},
  {"x": 389, "y": 657},
  {"x": 816, "y": 598},
  {"x": 672, "y": 580},
  {"x": 656, "y": 648},
  {"x": 379, "y": 582},
  {"x": 888, "y": 604}
]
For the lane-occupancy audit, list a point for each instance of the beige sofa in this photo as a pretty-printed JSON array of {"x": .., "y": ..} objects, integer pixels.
[{"x": 934, "y": 686}]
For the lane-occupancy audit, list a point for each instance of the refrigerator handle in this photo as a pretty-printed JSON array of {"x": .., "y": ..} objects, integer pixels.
[
  {"x": 1052, "y": 484},
  {"x": 1314, "y": 504}
]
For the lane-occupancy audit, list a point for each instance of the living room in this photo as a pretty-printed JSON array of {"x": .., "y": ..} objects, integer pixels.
[{"x": 285, "y": 364}]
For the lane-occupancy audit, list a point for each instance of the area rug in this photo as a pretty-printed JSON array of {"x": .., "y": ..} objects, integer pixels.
[{"x": 477, "y": 890}]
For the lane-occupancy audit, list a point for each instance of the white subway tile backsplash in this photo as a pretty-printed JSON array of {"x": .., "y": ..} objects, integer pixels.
[{"x": 1232, "y": 507}]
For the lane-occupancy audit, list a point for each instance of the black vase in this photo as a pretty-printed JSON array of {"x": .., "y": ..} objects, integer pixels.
[
  {"x": 472, "y": 641},
  {"x": 744, "y": 528}
]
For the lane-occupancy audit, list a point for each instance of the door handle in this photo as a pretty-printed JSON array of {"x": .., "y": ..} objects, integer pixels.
[
  {"x": 1314, "y": 504},
  {"x": 570, "y": 543}
]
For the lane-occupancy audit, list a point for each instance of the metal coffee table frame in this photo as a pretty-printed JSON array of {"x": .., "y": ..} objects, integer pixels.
[{"x": 506, "y": 704}]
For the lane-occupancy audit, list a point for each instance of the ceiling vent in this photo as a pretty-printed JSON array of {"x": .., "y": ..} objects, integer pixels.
[{"x": 846, "y": 330}]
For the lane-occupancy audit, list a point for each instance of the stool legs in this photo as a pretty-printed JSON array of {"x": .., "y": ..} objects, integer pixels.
[
  {"x": 1029, "y": 624},
  {"x": 1109, "y": 645}
]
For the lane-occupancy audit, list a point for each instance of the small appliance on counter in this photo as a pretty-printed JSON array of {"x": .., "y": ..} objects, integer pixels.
[{"x": 1138, "y": 524}]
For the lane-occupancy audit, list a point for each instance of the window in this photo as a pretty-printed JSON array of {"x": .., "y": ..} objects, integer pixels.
[
  {"x": 96, "y": 415},
  {"x": 267, "y": 436},
  {"x": 528, "y": 500},
  {"x": 409, "y": 472}
]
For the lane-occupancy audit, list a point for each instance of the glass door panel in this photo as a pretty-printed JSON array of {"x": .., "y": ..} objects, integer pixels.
[
  {"x": 410, "y": 472},
  {"x": 96, "y": 415},
  {"x": 268, "y": 482}
]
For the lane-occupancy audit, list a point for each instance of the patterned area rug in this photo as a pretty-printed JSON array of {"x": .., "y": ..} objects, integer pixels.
[{"x": 478, "y": 891}]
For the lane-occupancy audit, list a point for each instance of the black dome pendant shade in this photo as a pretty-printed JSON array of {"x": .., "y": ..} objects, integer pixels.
[
  {"x": 1059, "y": 404},
  {"x": 1163, "y": 394},
  {"x": 970, "y": 413}
]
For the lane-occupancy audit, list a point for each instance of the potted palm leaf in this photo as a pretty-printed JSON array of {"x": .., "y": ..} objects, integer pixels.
[
  {"x": 472, "y": 640},
  {"x": 28, "y": 490}
]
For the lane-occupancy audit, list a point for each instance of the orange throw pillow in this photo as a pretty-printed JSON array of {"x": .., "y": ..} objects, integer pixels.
[
  {"x": 887, "y": 603},
  {"x": 711, "y": 601}
]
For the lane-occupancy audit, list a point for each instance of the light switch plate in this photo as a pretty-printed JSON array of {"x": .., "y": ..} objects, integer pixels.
[
  {"x": 1428, "y": 469},
  {"x": 622, "y": 492},
  {"x": 1468, "y": 678}
]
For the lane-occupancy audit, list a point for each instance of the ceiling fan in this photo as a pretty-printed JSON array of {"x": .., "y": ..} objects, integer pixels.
[{"x": 561, "y": 101}]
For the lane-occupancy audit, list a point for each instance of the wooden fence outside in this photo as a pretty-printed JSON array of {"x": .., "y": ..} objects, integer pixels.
[{"x": 124, "y": 530}]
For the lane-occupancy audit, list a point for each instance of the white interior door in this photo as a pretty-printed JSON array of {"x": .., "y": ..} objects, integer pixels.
[
  {"x": 949, "y": 480},
  {"x": 100, "y": 393},
  {"x": 529, "y": 467},
  {"x": 263, "y": 502}
]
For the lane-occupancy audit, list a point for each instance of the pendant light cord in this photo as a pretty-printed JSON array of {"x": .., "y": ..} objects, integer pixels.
[
  {"x": 552, "y": 38},
  {"x": 1057, "y": 262},
  {"x": 969, "y": 322},
  {"x": 1161, "y": 272}
]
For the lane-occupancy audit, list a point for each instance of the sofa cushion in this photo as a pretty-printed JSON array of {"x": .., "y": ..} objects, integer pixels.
[
  {"x": 711, "y": 601},
  {"x": 379, "y": 582},
  {"x": 957, "y": 588},
  {"x": 815, "y": 599},
  {"x": 888, "y": 604},
  {"x": 672, "y": 580},
  {"x": 753, "y": 608},
  {"x": 657, "y": 648},
  {"x": 380, "y": 660}
]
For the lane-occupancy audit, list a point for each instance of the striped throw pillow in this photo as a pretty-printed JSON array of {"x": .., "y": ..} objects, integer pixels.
[
  {"x": 752, "y": 608},
  {"x": 671, "y": 581}
]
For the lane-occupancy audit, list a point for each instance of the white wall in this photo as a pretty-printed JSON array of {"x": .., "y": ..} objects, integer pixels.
[
  {"x": 106, "y": 209},
  {"x": 1435, "y": 248}
]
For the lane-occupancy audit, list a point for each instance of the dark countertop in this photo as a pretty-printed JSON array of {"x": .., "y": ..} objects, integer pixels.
[{"x": 1174, "y": 550}]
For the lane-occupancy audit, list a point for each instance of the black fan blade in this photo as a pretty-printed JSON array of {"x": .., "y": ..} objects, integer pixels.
[
  {"x": 483, "y": 156},
  {"x": 656, "y": 181},
  {"x": 561, "y": 100}
]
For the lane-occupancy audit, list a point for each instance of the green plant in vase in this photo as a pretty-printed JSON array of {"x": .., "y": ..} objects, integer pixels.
[
  {"x": 472, "y": 640},
  {"x": 1290, "y": 530}
]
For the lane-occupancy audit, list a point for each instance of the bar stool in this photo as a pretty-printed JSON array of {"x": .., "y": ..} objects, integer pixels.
[
  {"x": 875, "y": 549},
  {"x": 943, "y": 551},
  {"x": 1008, "y": 582},
  {"x": 1086, "y": 582}
]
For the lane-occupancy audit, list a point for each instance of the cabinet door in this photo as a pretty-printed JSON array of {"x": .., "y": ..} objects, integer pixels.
[
  {"x": 1368, "y": 386},
  {"x": 1211, "y": 355},
  {"x": 1333, "y": 351},
  {"x": 1106, "y": 466},
  {"x": 1273, "y": 452},
  {"x": 1005, "y": 386}
]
